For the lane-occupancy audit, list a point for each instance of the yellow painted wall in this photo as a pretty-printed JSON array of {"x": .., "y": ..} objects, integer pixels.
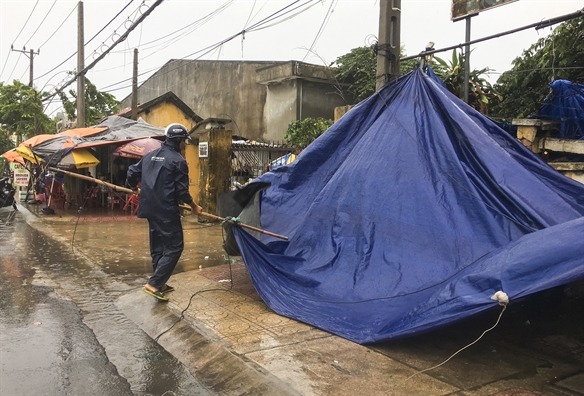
[
  {"x": 192, "y": 157},
  {"x": 164, "y": 114},
  {"x": 214, "y": 170}
]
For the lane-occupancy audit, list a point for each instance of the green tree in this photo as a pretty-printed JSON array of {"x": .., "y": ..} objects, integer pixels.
[
  {"x": 301, "y": 133},
  {"x": 5, "y": 142},
  {"x": 560, "y": 55},
  {"x": 481, "y": 93},
  {"x": 21, "y": 111},
  {"x": 358, "y": 68},
  {"x": 97, "y": 104}
]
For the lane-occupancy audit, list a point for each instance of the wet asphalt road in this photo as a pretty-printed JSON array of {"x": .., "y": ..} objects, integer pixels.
[{"x": 60, "y": 332}]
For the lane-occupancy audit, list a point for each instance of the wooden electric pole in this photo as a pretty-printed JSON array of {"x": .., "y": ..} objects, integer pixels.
[
  {"x": 80, "y": 66},
  {"x": 30, "y": 55},
  {"x": 135, "y": 87},
  {"x": 388, "y": 46}
]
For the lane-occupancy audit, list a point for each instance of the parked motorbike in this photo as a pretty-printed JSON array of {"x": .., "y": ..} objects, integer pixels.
[{"x": 7, "y": 192}]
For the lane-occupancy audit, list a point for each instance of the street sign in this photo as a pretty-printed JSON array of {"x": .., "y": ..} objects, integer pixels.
[
  {"x": 21, "y": 176},
  {"x": 203, "y": 149},
  {"x": 464, "y": 8}
]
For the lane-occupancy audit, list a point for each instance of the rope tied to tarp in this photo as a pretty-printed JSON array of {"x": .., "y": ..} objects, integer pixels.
[{"x": 229, "y": 219}]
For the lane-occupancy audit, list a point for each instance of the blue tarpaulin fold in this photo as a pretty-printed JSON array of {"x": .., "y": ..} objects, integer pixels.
[
  {"x": 409, "y": 213},
  {"x": 565, "y": 104}
]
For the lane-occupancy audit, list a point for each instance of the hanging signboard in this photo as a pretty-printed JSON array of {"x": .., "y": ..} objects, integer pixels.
[
  {"x": 21, "y": 176},
  {"x": 464, "y": 8}
]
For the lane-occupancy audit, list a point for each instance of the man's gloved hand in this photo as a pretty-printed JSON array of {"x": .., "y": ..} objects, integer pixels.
[{"x": 135, "y": 190}]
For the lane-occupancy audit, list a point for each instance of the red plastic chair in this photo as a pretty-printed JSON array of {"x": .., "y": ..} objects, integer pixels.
[
  {"x": 92, "y": 195},
  {"x": 56, "y": 197},
  {"x": 133, "y": 202}
]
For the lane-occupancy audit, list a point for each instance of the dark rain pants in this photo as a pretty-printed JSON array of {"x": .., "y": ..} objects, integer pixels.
[{"x": 166, "y": 246}]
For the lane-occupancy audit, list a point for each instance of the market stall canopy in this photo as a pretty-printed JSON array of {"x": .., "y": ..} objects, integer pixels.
[
  {"x": 50, "y": 150},
  {"x": 137, "y": 148},
  {"x": 411, "y": 212},
  {"x": 13, "y": 156},
  {"x": 114, "y": 130},
  {"x": 78, "y": 158},
  {"x": 121, "y": 129},
  {"x": 35, "y": 140},
  {"x": 91, "y": 131}
]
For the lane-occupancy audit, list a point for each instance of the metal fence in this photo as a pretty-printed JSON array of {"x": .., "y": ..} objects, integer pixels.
[{"x": 249, "y": 161}]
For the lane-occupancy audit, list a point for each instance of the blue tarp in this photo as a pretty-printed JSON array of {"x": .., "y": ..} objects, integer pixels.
[
  {"x": 565, "y": 104},
  {"x": 409, "y": 213}
]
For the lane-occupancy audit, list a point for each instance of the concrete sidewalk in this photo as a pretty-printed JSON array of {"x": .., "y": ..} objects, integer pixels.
[{"x": 234, "y": 344}]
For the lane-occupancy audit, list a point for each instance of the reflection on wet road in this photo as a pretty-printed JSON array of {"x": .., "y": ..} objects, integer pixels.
[{"x": 61, "y": 332}]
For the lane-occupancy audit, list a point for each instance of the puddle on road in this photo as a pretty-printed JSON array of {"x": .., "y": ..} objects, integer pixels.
[
  {"x": 83, "y": 321},
  {"x": 122, "y": 248}
]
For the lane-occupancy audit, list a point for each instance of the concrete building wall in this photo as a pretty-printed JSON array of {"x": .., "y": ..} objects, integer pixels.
[
  {"x": 281, "y": 109},
  {"x": 225, "y": 89},
  {"x": 261, "y": 98},
  {"x": 297, "y": 99},
  {"x": 318, "y": 100}
]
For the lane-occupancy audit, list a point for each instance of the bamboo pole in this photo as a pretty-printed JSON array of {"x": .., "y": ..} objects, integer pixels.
[{"x": 130, "y": 191}]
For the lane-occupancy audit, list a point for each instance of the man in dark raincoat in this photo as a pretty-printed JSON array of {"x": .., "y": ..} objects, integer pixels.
[{"x": 164, "y": 181}]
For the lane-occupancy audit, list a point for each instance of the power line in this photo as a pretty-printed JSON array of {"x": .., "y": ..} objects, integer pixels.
[
  {"x": 56, "y": 30},
  {"x": 536, "y": 25},
  {"x": 250, "y": 12},
  {"x": 265, "y": 26},
  {"x": 75, "y": 53},
  {"x": 121, "y": 39},
  {"x": 22, "y": 76},
  {"x": 110, "y": 22},
  {"x": 321, "y": 29},
  {"x": 130, "y": 19},
  {"x": 25, "y": 23},
  {"x": 8, "y": 56},
  {"x": 5, "y": 62},
  {"x": 538, "y": 69},
  {"x": 40, "y": 24},
  {"x": 256, "y": 26},
  {"x": 16, "y": 64},
  {"x": 195, "y": 25}
]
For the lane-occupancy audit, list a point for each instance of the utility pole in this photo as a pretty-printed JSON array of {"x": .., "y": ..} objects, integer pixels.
[
  {"x": 30, "y": 55},
  {"x": 80, "y": 66},
  {"x": 135, "y": 87},
  {"x": 388, "y": 45}
]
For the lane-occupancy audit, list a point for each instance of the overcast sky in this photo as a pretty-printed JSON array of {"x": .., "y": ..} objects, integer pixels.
[{"x": 183, "y": 29}]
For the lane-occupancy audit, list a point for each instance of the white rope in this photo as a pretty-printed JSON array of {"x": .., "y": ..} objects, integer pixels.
[{"x": 503, "y": 301}]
